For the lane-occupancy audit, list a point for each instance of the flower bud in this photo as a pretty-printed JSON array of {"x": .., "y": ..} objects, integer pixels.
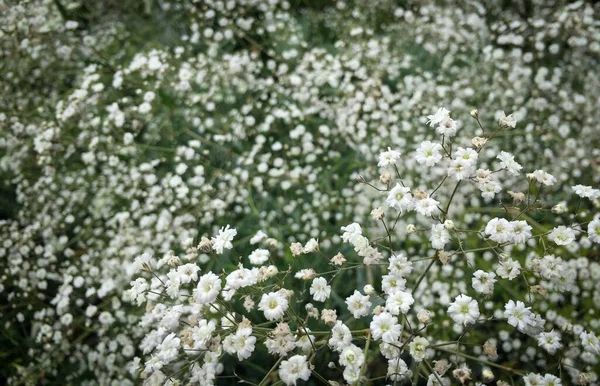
[
  {"x": 487, "y": 375},
  {"x": 377, "y": 214},
  {"x": 338, "y": 259},
  {"x": 559, "y": 208},
  {"x": 385, "y": 178},
  {"x": 361, "y": 179},
  {"x": 378, "y": 310},
  {"x": 475, "y": 113},
  {"x": 424, "y": 316},
  {"x": 296, "y": 249},
  {"x": 411, "y": 228},
  {"x": 441, "y": 367},
  {"x": 329, "y": 317},
  {"x": 463, "y": 374},
  {"x": 368, "y": 289},
  {"x": 449, "y": 224},
  {"x": 479, "y": 142},
  {"x": 516, "y": 196},
  {"x": 489, "y": 349},
  {"x": 584, "y": 378},
  {"x": 205, "y": 245}
]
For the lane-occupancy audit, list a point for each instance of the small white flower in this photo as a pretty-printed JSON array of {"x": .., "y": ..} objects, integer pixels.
[
  {"x": 418, "y": 348},
  {"x": 358, "y": 304},
  {"x": 320, "y": 290},
  {"x": 259, "y": 256},
  {"x": 274, "y": 305},
  {"x": 311, "y": 246},
  {"x": 385, "y": 327},
  {"x": 207, "y": 289},
  {"x": 518, "y": 315},
  {"x": 594, "y": 231},
  {"x": 428, "y": 153},
  {"x": 562, "y": 235},
  {"x": 293, "y": 369},
  {"x": 550, "y": 341},
  {"x": 400, "y": 198},
  {"x": 464, "y": 310},
  {"x": 507, "y": 121},
  {"x": 507, "y": 161},
  {"x": 439, "y": 236},
  {"x": 438, "y": 117},
  {"x": 586, "y": 192},
  {"x": 397, "y": 369},
  {"x": 483, "y": 282},
  {"x": 389, "y": 157},
  {"x": 223, "y": 239}
]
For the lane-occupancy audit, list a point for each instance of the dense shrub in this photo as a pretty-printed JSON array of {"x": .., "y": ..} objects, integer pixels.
[{"x": 135, "y": 137}]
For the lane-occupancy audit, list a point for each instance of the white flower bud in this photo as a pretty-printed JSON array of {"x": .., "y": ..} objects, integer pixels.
[{"x": 449, "y": 224}]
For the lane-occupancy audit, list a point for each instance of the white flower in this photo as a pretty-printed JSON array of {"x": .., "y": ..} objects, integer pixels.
[
  {"x": 389, "y": 157},
  {"x": 293, "y": 369},
  {"x": 464, "y": 310},
  {"x": 468, "y": 155},
  {"x": 319, "y": 289},
  {"x": 586, "y": 192},
  {"x": 385, "y": 327},
  {"x": 138, "y": 290},
  {"x": 439, "y": 236},
  {"x": 428, "y": 153},
  {"x": 418, "y": 348},
  {"x": 274, "y": 305},
  {"x": 550, "y": 341},
  {"x": 400, "y": 198},
  {"x": 358, "y": 304},
  {"x": 202, "y": 333},
  {"x": 427, "y": 207},
  {"x": 518, "y": 315},
  {"x": 351, "y": 374},
  {"x": 223, "y": 239},
  {"x": 351, "y": 231},
  {"x": 438, "y": 117},
  {"x": 399, "y": 301},
  {"x": 400, "y": 266},
  {"x": 241, "y": 277},
  {"x": 507, "y": 121},
  {"x": 397, "y": 369},
  {"x": 562, "y": 235},
  {"x": 507, "y": 161},
  {"x": 259, "y": 256},
  {"x": 340, "y": 336},
  {"x": 590, "y": 342},
  {"x": 242, "y": 343},
  {"x": 352, "y": 356},
  {"x": 508, "y": 269},
  {"x": 594, "y": 230},
  {"x": 489, "y": 188},
  {"x": 311, "y": 246},
  {"x": 499, "y": 230},
  {"x": 542, "y": 177},
  {"x": 521, "y": 231},
  {"x": 447, "y": 127},
  {"x": 392, "y": 283},
  {"x": 483, "y": 282},
  {"x": 258, "y": 237},
  {"x": 460, "y": 169},
  {"x": 169, "y": 348},
  {"x": 207, "y": 289}
]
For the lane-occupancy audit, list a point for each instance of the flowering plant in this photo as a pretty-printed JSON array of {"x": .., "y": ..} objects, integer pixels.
[{"x": 513, "y": 266}]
